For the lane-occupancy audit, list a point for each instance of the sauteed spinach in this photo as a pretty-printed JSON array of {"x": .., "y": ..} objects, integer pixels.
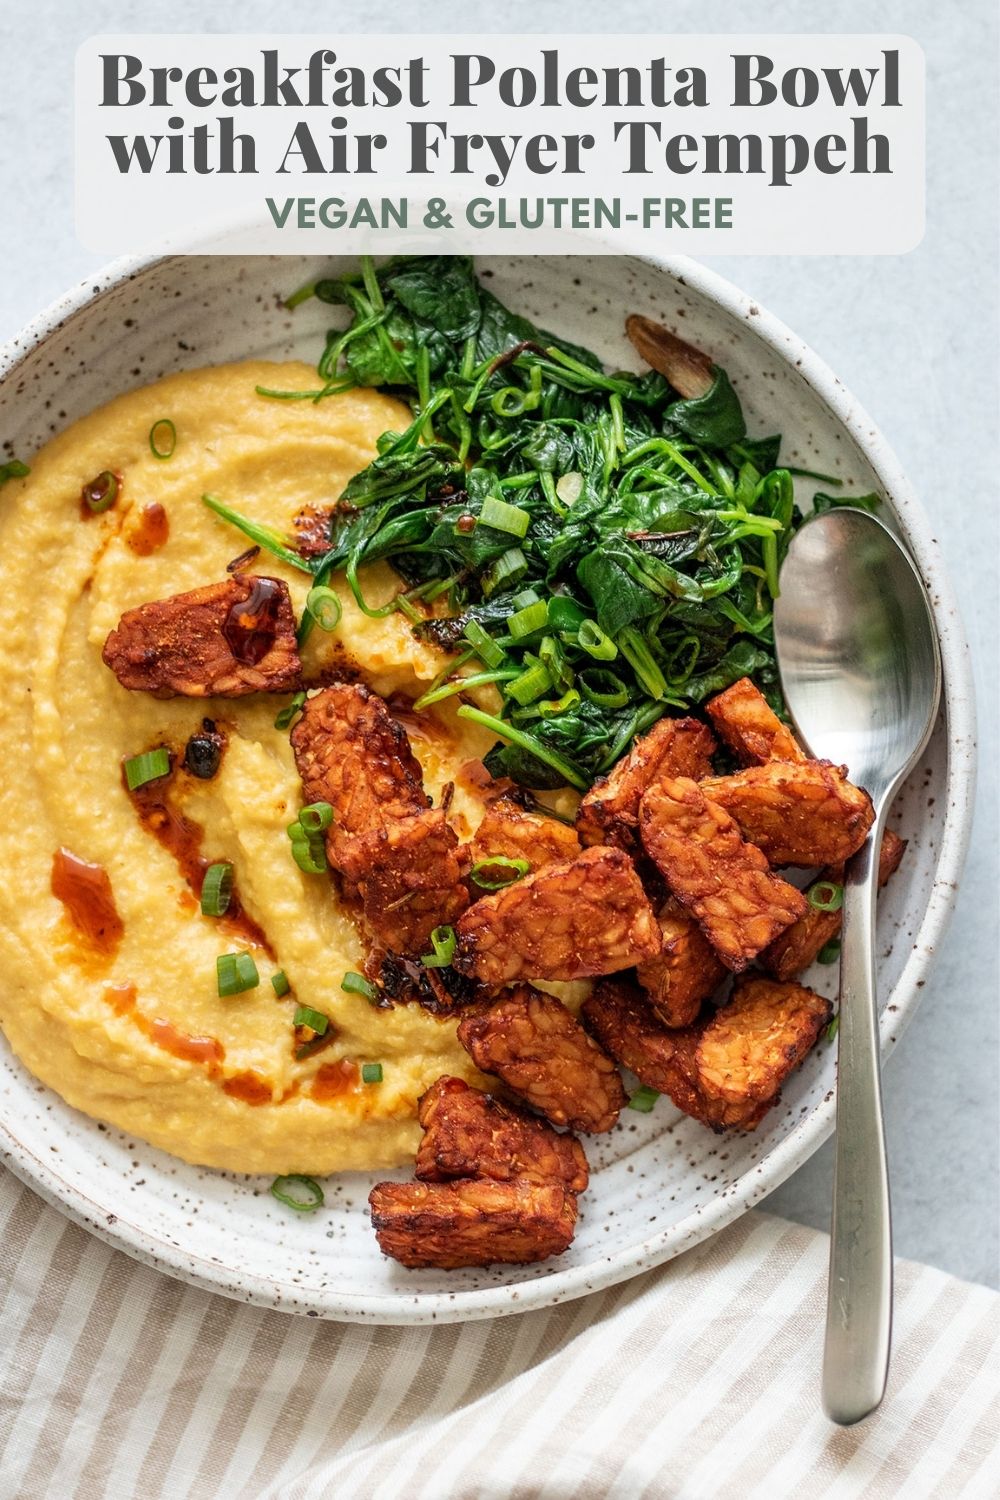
[{"x": 601, "y": 548}]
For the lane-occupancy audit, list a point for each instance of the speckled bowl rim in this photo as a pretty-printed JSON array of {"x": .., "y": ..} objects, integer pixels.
[{"x": 803, "y": 1139}]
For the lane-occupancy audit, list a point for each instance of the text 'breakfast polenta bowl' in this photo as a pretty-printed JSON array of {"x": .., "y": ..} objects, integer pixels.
[{"x": 401, "y": 757}]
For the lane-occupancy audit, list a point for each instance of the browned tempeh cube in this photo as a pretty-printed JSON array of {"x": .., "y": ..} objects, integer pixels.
[
  {"x": 545, "y": 1057},
  {"x": 510, "y": 830},
  {"x": 411, "y": 876},
  {"x": 471, "y": 1223},
  {"x": 352, "y": 753},
  {"x": 586, "y": 916},
  {"x": 686, "y": 972},
  {"x": 800, "y": 945},
  {"x": 470, "y": 1134},
  {"x": 806, "y": 813},
  {"x": 727, "y": 1070},
  {"x": 609, "y": 812},
  {"x": 745, "y": 721},
  {"x": 740, "y": 904},
  {"x": 225, "y": 640}
]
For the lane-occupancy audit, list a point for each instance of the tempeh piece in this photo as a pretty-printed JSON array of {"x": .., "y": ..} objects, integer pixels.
[
  {"x": 471, "y": 1223},
  {"x": 352, "y": 753},
  {"x": 411, "y": 876},
  {"x": 745, "y": 721},
  {"x": 586, "y": 916},
  {"x": 686, "y": 972},
  {"x": 800, "y": 945},
  {"x": 723, "y": 881},
  {"x": 609, "y": 812},
  {"x": 510, "y": 830},
  {"x": 544, "y": 1056},
  {"x": 804, "y": 814},
  {"x": 225, "y": 640},
  {"x": 727, "y": 1071},
  {"x": 470, "y": 1134}
]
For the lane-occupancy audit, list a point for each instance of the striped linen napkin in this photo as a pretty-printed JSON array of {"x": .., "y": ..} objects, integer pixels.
[{"x": 698, "y": 1381}]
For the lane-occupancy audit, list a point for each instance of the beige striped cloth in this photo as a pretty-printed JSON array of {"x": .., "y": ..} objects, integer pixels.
[{"x": 694, "y": 1382}]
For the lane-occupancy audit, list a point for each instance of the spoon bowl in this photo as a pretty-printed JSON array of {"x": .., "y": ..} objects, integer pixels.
[{"x": 861, "y": 671}]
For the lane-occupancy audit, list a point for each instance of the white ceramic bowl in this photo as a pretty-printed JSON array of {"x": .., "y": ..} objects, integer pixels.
[{"x": 660, "y": 1182}]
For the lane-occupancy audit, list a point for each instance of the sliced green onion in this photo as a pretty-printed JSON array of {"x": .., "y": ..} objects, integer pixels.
[
  {"x": 565, "y": 614},
  {"x": 553, "y": 707},
  {"x": 443, "y": 942},
  {"x": 483, "y": 644},
  {"x": 324, "y": 605},
  {"x": 357, "y": 984},
  {"x": 264, "y": 536},
  {"x": 149, "y": 766},
  {"x": 525, "y": 597},
  {"x": 304, "y": 1194},
  {"x": 825, "y": 895},
  {"x": 643, "y": 1099},
  {"x": 595, "y": 642},
  {"x": 640, "y": 659},
  {"x": 307, "y": 850},
  {"x": 504, "y": 517},
  {"x": 162, "y": 438},
  {"x": 530, "y": 685},
  {"x": 284, "y": 718},
  {"x": 13, "y": 469},
  {"x": 235, "y": 973},
  {"x": 525, "y": 622},
  {"x": 217, "y": 890},
  {"x": 279, "y": 983},
  {"x": 514, "y": 868},
  {"x": 371, "y": 1072},
  {"x": 504, "y": 573},
  {"x": 101, "y": 493},
  {"x": 316, "y": 817},
  {"x": 314, "y": 1019},
  {"x": 833, "y": 1028},
  {"x": 570, "y": 773},
  {"x": 603, "y": 688},
  {"x": 461, "y": 685},
  {"x": 830, "y": 952}
]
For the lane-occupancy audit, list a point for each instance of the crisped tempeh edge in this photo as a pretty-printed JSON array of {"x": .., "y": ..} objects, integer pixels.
[
  {"x": 224, "y": 640},
  {"x": 509, "y": 830},
  {"x": 544, "y": 1056},
  {"x": 804, "y": 813},
  {"x": 468, "y": 1133},
  {"x": 609, "y": 812},
  {"x": 739, "y": 903},
  {"x": 471, "y": 1222},
  {"x": 586, "y": 916},
  {"x": 746, "y": 723},
  {"x": 800, "y": 945}
]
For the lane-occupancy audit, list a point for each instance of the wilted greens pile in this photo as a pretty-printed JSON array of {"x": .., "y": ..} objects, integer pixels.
[{"x": 607, "y": 552}]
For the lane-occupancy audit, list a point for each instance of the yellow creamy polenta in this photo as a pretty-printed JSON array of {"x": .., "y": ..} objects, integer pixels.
[{"x": 66, "y": 726}]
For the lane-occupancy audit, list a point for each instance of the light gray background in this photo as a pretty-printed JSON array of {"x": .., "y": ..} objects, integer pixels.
[{"x": 914, "y": 337}]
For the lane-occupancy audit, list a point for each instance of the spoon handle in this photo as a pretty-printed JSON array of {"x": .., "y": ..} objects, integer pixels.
[{"x": 859, "y": 1298}]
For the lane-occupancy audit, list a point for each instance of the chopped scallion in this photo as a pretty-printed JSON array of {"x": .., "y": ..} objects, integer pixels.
[
  {"x": 371, "y": 1072},
  {"x": 639, "y": 657},
  {"x": 830, "y": 952},
  {"x": 149, "y": 766},
  {"x": 504, "y": 573},
  {"x": 833, "y": 1028},
  {"x": 304, "y": 1194},
  {"x": 643, "y": 1099},
  {"x": 284, "y": 719},
  {"x": 101, "y": 493},
  {"x": 443, "y": 942},
  {"x": 503, "y": 517},
  {"x": 323, "y": 603},
  {"x": 483, "y": 644},
  {"x": 485, "y": 872},
  {"x": 825, "y": 895},
  {"x": 162, "y": 438},
  {"x": 525, "y": 622},
  {"x": 235, "y": 973},
  {"x": 314, "y": 1019},
  {"x": 217, "y": 890},
  {"x": 279, "y": 983},
  {"x": 357, "y": 984},
  {"x": 595, "y": 642},
  {"x": 316, "y": 817},
  {"x": 530, "y": 685},
  {"x": 603, "y": 688}
]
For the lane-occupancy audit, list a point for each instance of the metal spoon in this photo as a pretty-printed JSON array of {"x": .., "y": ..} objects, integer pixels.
[{"x": 861, "y": 671}]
